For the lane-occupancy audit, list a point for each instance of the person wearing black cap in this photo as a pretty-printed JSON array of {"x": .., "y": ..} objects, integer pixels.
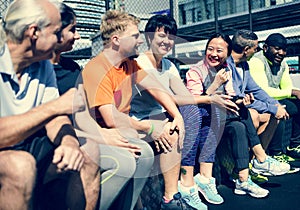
[{"x": 270, "y": 71}]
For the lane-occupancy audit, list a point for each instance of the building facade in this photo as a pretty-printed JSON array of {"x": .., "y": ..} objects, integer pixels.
[
  {"x": 192, "y": 11},
  {"x": 198, "y": 19}
]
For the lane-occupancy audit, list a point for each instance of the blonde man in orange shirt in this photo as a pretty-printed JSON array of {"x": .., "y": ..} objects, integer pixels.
[{"x": 108, "y": 81}]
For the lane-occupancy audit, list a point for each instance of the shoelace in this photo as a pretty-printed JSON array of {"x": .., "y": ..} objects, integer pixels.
[
  {"x": 272, "y": 160},
  {"x": 195, "y": 197},
  {"x": 212, "y": 188},
  {"x": 252, "y": 185},
  {"x": 250, "y": 182}
]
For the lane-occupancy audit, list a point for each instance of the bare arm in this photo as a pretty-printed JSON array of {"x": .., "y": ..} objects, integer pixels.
[
  {"x": 160, "y": 94},
  {"x": 167, "y": 101},
  {"x": 14, "y": 129},
  {"x": 116, "y": 119},
  {"x": 183, "y": 96},
  {"x": 88, "y": 128}
]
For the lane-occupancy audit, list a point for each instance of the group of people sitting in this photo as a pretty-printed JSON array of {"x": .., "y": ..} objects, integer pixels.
[{"x": 90, "y": 138}]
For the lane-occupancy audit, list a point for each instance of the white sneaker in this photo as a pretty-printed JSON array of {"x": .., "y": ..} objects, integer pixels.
[
  {"x": 249, "y": 187},
  {"x": 271, "y": 167}
]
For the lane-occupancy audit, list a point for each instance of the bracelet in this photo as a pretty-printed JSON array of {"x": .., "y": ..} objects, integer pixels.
[
  {"x": 151, "y": 129},
  {"x": 66, "y": 129}
]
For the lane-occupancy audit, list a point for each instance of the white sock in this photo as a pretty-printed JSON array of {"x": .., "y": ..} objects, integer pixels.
[
  {"x": 202, "y": 179},
  {"x": 186, "y": 189}
]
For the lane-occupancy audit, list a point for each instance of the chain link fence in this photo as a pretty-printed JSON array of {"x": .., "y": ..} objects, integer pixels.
[
  {"x": 3, "y": 5},
  {"x": 197, "y": 20}
]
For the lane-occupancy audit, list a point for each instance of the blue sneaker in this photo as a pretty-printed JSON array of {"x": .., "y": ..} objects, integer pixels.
[
  {"x": 192, "y": 198},
  {"x": 177, "y": 203},
  {"x": 209, "y": 191}
]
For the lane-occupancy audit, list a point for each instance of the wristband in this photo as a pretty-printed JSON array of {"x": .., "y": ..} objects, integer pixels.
[
  {"x": 151, "y": 129},
  {"x": 66, "y": 129}
]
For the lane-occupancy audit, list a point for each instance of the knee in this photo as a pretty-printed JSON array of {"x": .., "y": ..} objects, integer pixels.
[
  {"x": 236, "y": 128},
  {"x": 292, "y": 108},
  {"x": 23, "y": 162},
  {"x": 127, "y": 166},
  {"x": 146, "y": 159},
  {"x": 147, "y": 155},
  {"x": 91, "y": 151},
  {"x": 19, "y": 166},
  {"x": 255, "y": 117}
]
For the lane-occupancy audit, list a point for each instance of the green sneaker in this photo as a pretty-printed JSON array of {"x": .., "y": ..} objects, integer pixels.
[
  {"x": 293, "y": 152},
  {"x": 283, "y": 158},
  {"x": 257, "y": 178}
]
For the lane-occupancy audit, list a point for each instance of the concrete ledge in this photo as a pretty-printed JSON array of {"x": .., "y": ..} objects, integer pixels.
[{"x": 296, "y": 80}]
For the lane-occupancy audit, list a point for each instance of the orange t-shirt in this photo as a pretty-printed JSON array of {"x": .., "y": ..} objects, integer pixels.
[{"x": 106, "y": 84}]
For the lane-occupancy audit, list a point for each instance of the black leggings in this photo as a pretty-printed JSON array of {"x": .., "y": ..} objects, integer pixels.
[
  {"x": 293, "y": 108},
  {"x": 242, "y": 135}
]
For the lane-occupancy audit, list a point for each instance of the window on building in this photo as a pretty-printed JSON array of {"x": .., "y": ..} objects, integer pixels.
[
  {"x": 199, "y": 16},
  {"x": 193, "y": 15},
  {"x": 182, "y": 15}
]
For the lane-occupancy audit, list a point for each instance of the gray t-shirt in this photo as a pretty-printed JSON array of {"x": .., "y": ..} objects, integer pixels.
[{"x": 143, "y": 104}]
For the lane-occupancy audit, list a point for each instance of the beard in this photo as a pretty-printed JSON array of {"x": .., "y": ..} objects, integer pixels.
[{"x": 132, "y": 55}]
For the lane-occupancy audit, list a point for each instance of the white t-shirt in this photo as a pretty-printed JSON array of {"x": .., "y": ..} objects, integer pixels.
[
  {"x": 240, "y": 71},
  {"x": 37, "y": 85},
  {"x": 143, "y": 104}
]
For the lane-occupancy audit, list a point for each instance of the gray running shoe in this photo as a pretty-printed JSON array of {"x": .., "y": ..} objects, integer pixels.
[
  {"x": 249, "y": 187},
  {"x": 270, "y": 166}
]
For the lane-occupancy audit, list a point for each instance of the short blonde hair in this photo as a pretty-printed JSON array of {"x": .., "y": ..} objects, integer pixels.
[{"x": 115, "y": 22}]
